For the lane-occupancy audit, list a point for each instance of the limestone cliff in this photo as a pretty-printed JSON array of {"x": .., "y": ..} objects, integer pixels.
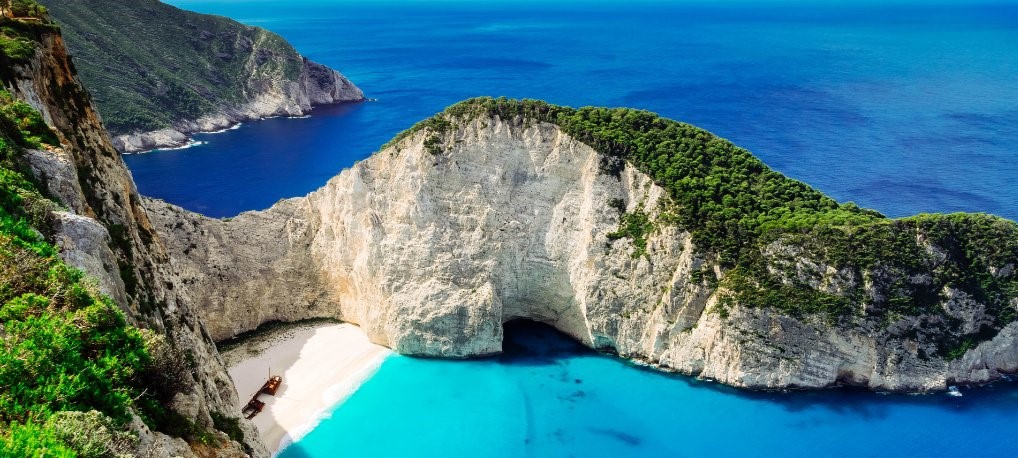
[
  {"x": 106, "y": 232},
  {"x": 434, "y": 242},
  {"x": 160, "y": 73}
]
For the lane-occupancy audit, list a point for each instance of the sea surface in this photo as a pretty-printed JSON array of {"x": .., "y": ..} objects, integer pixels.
[
  {"x": 902, "y": 109},
  {"x": 548, "y": 397}
]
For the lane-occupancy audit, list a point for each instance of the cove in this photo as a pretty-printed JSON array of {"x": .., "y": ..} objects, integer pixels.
[
  {"x": 900, "y": 109},
  {"x": 547, "y": 396}
]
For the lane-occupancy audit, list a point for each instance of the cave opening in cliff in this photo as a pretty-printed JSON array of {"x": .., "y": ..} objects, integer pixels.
[{"x": 533, "y": 342}]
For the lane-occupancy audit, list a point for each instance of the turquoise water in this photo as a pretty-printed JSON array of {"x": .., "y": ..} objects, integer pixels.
[
  {"x": 902, "y": 109},
  {"x": 549, "y": 398}
]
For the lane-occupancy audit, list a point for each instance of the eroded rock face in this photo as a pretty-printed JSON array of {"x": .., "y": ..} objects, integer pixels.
[
  {"x": 107, "y": 233},
  {"x": 431, "y": 253},
  {"x": 493, "y": 226}
]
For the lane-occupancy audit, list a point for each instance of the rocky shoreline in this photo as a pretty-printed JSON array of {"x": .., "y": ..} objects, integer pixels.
[
  {"x": 317, "y": 85},
  {"x": 105, "y": 233}
]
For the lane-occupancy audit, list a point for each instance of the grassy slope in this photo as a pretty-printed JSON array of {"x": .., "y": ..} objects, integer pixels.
[
  {"x": 148, "y": 64},
  {"x": 735, "y": 207},
  {"x": 65, "y": 347},
  {"x": 71, "y": 368}
]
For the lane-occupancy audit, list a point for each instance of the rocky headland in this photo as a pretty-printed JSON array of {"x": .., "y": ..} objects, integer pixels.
[
  {"x": 90, "y": 210},
  {"x": 489, "y": 213},
  {"x": 160, "y": 74}
]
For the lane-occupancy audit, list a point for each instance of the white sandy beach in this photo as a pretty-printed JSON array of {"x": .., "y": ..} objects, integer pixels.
[{"x": 321, "y": 364}]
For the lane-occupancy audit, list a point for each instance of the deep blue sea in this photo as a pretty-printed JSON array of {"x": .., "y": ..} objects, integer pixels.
[{"x": 903, "y": 109}]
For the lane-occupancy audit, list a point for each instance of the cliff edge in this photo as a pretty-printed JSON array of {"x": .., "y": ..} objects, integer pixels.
[
  {"x": 635, "y": 235},
  {"x": 173, "y": 393}
]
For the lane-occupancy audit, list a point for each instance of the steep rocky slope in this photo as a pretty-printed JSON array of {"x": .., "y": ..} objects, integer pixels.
[
  {"x": 105, "y": 231},
  {"x": 159, "y": 73},
  {"x": 480, "y": 216}
]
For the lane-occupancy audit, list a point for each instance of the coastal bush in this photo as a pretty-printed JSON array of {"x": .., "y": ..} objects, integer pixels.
[
  {"x": 635, "y": 226},
  {"x": 18, "y": 37},
  {"x": 14, "y": 47},
  {"x": 91, "y": 434},
  {"x": 32, "y": 441},
  {"x": 22, "y": 206},
  {"x": 229, "y": 425},
  {"x": 734, "y": 206},
  {"x": 66, "y": 347},
  {"x": 26, "y": 8},
  {"x": 433, "y": 145},
  {"x": 22, "y": 124},
  {"x": 154, "y": 413}
]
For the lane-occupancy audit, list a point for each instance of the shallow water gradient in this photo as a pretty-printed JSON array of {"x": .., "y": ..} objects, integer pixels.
[{"x": 549, "y": 398}]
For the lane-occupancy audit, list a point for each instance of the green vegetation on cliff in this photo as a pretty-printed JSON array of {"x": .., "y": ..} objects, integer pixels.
[
  {"x": 760, "y": 225},
  {"x": 65, "y": 346},
  {"x": 149, "y": 64},
  {"x": 22, "y": 207},
  {"x": 72, "y": 370},
  {"x": 20, "y": 22},
  {"x": 22, "y": 9}
]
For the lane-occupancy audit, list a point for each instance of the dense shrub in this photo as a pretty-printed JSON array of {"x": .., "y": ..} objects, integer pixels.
[
  {"x": 229, "y": 425},
  {"x": 14, "y": 46},
  {"x": 91, "y": 434},
  {"x": 65, "y": 347},
  {"x": 18, "y": 36},
  {"x": 26, "y": 8},
  {"x": 33, "y": 441},
  {"x": 22, "y": 124}
]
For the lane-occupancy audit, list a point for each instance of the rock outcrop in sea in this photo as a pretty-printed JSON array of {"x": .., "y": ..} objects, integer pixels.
[
  {"x": 434, "y": 242},
  {"x": 479, "y": 217}
]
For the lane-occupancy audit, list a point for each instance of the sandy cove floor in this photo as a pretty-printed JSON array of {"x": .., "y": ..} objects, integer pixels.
[{"x": 321, "y": 364}]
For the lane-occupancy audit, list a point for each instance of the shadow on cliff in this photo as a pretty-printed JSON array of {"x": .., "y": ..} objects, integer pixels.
[{"x": 527, "y": 342}]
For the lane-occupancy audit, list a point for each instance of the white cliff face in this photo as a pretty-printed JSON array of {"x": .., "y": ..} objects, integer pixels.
[
  {"x": 431, "y": 253},
  {"x": 269, "y": 97}
]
